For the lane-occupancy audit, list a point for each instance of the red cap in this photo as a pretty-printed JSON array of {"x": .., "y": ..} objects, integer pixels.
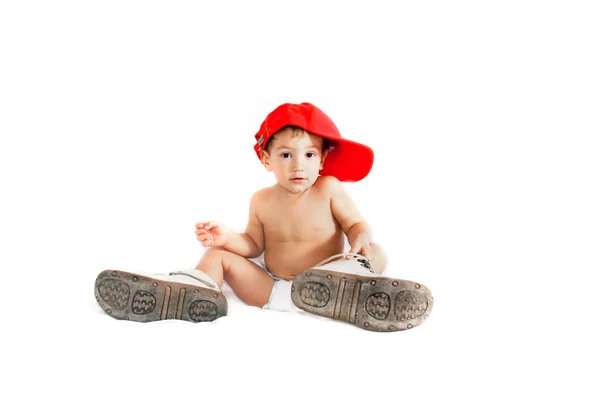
[{"x": 348, "y": 161}]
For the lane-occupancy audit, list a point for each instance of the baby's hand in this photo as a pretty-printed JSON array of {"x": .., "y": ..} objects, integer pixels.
[
  {"x": 211, "y": 234},
  {"x": 364, "y": 250}
]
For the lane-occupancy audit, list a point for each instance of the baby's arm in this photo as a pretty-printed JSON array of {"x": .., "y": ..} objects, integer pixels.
[
  {"x": 249, "y": 244},
  {"x": 254, "y": 231},
  {"x": 346, "y": 213}
]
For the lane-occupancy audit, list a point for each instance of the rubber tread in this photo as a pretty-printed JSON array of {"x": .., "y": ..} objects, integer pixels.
[
  {"x": 374, "y": 303},
  {"x": 128, "y": 296}
]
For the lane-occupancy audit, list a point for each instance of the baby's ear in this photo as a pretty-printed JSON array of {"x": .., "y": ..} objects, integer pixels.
[
  {"x": 324, "y": 155},
  {"x": 266, "y": 160}
]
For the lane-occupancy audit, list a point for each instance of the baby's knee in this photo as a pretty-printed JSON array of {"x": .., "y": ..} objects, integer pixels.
[
  {"x": 378, "y": 249},
  {"x": 379, "y": 260},
  {"x": 216, "y": 252}
]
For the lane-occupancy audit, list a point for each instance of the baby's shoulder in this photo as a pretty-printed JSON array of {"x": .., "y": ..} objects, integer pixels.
[
  {"x": 329, "y": 184},
  {"x": 261, "y": 195}
]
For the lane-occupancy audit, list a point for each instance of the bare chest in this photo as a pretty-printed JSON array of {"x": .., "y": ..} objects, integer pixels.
[{"x": 305, "y": 222}]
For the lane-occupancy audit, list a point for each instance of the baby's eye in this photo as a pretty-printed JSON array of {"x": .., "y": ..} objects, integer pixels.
[
  {"x": 311, "y": 155},
  {"x": 285, "y": 155}
]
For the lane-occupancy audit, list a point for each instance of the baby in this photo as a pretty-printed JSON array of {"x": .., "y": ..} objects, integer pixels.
[{"x": 292, "y": 252}]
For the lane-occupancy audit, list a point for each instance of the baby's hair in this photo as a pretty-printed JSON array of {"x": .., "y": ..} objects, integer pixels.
[{"x": 296, "y": 131}]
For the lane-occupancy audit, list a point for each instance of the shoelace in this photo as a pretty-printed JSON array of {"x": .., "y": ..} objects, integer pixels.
[
  {"x": 362, "y": 260},
  {"x": 210, "y": 285}
]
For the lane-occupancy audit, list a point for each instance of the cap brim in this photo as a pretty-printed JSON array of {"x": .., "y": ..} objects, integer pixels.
[{"x": 349, "y": 161}]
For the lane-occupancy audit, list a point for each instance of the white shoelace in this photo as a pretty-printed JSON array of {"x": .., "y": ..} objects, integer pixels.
[
  {"x": 210, "y": 285},
  {"x": 362, "y": 260}
]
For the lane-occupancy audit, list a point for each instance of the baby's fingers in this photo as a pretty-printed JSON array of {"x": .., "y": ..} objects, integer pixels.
[
  {"x": 366, "y": 251},
  {"x": 353, "y": 250},
  {"x": 210, "y": 225},
  {"x": 204, "y": 236},
  {"x": 206, "y": 242}
]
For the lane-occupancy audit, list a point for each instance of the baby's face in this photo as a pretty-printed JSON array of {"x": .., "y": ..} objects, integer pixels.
[{"x": 295, "y": 161}]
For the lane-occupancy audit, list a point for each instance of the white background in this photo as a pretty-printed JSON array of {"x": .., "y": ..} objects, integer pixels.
[{"x": 125, "y": 122}]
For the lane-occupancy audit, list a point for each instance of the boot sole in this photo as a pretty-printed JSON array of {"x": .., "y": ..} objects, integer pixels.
[
  {"x": 132, "y": 297},
  {"x": 374, "y": 303}
]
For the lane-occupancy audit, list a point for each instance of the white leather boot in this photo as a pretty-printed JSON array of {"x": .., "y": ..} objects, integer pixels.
[
  {"x": 350, "y": 291},
  {"x": 189, "y": 295}
]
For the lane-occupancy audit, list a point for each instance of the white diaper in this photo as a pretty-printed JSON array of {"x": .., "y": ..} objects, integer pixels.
[
  {"x": 281, "y": 297},
  {"x": 281, "y": 294}
]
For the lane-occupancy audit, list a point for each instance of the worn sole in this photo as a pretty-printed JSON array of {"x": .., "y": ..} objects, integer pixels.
[
  {"x": 128, "y": 296},
  {"x": 374, "y": 303}
]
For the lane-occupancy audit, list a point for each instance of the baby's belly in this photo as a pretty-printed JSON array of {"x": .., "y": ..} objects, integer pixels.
[{"x": 288, "y": 259}]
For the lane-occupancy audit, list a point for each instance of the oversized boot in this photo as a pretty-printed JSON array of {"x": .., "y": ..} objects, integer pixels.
[
  {"x": 350, "y": 291},
  {"x": 189, "y": 295}
]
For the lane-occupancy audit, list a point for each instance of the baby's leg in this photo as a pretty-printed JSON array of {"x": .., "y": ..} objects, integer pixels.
[
  {"x": 251, "y": 283},
  {"x": 379, "y": 258}
]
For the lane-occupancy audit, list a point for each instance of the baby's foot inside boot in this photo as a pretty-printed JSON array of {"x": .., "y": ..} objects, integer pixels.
[
  {"x": 136, "y": 297},
  {"x": 370, "y": 302}
]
